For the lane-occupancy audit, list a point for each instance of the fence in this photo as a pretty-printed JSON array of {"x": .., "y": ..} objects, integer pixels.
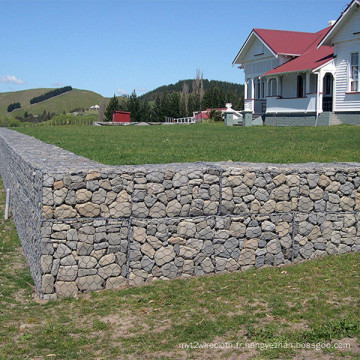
[
  {"x": 86, "y": 226},
  {"x": 184, "y": 120}
]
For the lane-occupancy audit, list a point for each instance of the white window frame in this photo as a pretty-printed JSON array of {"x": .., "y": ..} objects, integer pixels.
[
  {"x": 272, "y": 88},
  {"x": 354, "y": 83}
]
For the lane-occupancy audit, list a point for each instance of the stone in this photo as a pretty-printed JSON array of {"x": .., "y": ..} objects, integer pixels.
[
  {"x": 324, "y": 181},
  {"x": 268, "y": 226},
  {"x": 115, "y": 283},
  {"x": 210, "y": 207},
  {"x": 99, "y": 196},
  {"x": 253, "y": 232},
  {"x": 347, "y": 203},
  {"x": 158, "y": 210},
  {"x": 282, "y": 228},
  {"x": 62, "y": 251},
  {"x": 147, "y": 264},
  {"x": 82, "y": 196},
  {"x": 64, "y": 212},
  {"x": 173, "y": 208},
  {"x": 139, "y": 234},
  {"x": 90, "y": 283},
  {"x": 169, "y": 270},
  {"x": 66, "y": 289},
  {"x": 88, "y": 209},
  {"x": 180, "y": 180},
  {"x": 46, "y": 263},
  {"x": 109, "y": 270},
  {"x": 146, "y": 249},
  {"x": 186, "y": 229},
  {"x": 154, "y": 242},
  {"x": 67, "y": 273},
  {"x": 94, "y": 175},
  {"x": 249, "y": 179},
  {"x": 262, "y": 195},
  {"x": 137, "y": 277},
  {"x": 176, "y": 240},
  {"x": 247, "y": 257},
  {"x": 120, "y": 209},
  {"x": 68, "y": 260},
  {"x": 281, "y": 193},
  {"x": 47, "y": 284},
  {"x": 47, "y": 212},
  {"x": 273, "y": 247},
  {"x": 164, "y": 255},
  {"x": 305, "y": 204},
  {"x": 87, "y": 262}
]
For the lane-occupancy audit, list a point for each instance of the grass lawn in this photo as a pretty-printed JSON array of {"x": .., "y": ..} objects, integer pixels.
[
  {"x": 311, "y": 303},
  {"x": 204, "y": 142}
]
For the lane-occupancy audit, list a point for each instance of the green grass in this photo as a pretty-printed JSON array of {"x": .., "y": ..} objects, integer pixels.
[
  {"x": 64, "y": 102},
  {"x": 315, "y": 302},
  {"x": 205, "y": 142}
]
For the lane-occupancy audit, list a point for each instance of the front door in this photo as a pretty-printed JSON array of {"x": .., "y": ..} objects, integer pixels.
[{"x": 328, "y": 92}]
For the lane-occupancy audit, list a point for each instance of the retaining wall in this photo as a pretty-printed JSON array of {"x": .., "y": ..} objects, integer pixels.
[{"x": 87, "y": 226}]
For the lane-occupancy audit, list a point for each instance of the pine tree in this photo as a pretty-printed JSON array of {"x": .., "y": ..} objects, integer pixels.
[
  {"x": 133, "y": 105},
  {"x": 111, "y": 108}
]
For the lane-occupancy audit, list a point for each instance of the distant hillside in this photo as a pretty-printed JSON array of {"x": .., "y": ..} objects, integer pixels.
[
  {"x": 58, "y": 104},
  {"x": 226, "y": 86}
]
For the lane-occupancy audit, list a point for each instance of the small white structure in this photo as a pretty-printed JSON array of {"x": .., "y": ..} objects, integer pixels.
[
  {"x": 95, "y": 107},
  {"x": 297, "y": 78}
]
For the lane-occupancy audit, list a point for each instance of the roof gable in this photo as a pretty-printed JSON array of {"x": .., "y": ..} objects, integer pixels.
[
  {"x": 287, "y": 42},
  {"x": 340, "y": 23},
  {"x": 311, "y": 59}
]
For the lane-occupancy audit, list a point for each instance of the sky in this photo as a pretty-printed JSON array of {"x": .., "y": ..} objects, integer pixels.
[{"x": 117, "y": 46}]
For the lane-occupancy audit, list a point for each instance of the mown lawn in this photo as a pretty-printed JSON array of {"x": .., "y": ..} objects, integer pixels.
[
  {"x": 204, "y": 142},
  {"x": 313, "y": 304}
]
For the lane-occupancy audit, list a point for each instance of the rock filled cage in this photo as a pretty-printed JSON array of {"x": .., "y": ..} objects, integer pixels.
[{"x": 87, "y": 226}]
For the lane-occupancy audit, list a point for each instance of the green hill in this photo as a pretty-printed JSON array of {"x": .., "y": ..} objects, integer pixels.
[
  {"x": 238, "y": 89},
  {"x": 65, "y": 102}
]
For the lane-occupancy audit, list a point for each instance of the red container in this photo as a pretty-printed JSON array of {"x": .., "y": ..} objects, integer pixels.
[{"x": 121, "y": 116}]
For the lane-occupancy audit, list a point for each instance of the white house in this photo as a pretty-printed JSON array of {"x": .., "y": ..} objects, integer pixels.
[{"x": 300, "y": 78}]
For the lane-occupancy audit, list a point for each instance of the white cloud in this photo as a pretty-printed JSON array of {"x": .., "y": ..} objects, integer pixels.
[
  {"x": 58, "y": 84},
  {"x": 141, "y": 90},
  {"x": 11, "y": 79},
  {"x": 122, "y": 91}
]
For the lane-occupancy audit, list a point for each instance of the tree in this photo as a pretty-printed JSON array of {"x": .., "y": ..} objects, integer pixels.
[
  {"x": 133, "y": 105},
  {"x": 111, "y": 108}
]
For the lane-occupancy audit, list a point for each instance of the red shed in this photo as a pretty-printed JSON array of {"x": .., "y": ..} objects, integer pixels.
[{"x": 121, "y": 116}]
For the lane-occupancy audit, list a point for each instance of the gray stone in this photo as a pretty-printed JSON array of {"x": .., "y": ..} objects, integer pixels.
[
  {"x": 90, "y": 283},
  {"x": 164, "y": 255}
]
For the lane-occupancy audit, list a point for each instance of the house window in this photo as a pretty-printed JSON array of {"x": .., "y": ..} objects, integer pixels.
[
  {"x": 263, "y": 89},
  {"x": 300, "y": 86},
  {"x": 354, "y": 72},
  {"x": 272, "y": 87}
]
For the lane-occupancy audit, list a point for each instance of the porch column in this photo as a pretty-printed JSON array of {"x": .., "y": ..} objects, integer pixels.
[
  {"x": 266, "y": 87},
  {"x": 320, "y": 91},
  {"x": 307, "y": 83},
  {"x": 245, "y": 89},
  {"x": 252, "y": 88}
]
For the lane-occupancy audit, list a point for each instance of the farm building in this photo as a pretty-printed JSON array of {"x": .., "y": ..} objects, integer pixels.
[
  {"x": 121, "y": 116},
  {"x": 301, "y": 78}
]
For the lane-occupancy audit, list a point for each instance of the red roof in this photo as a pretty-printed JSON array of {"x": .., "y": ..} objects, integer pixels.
[
  {"x": 205, "y": 114},
  {"x": 286, "y": 42},
  {"x": 311, "y": 58}
]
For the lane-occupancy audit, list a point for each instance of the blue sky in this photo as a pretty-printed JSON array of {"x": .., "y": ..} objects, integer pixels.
[{"x": 116, "y": 46}]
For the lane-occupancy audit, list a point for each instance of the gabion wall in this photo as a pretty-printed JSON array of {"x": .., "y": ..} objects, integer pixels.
[{"x": 86, "y": 226}]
